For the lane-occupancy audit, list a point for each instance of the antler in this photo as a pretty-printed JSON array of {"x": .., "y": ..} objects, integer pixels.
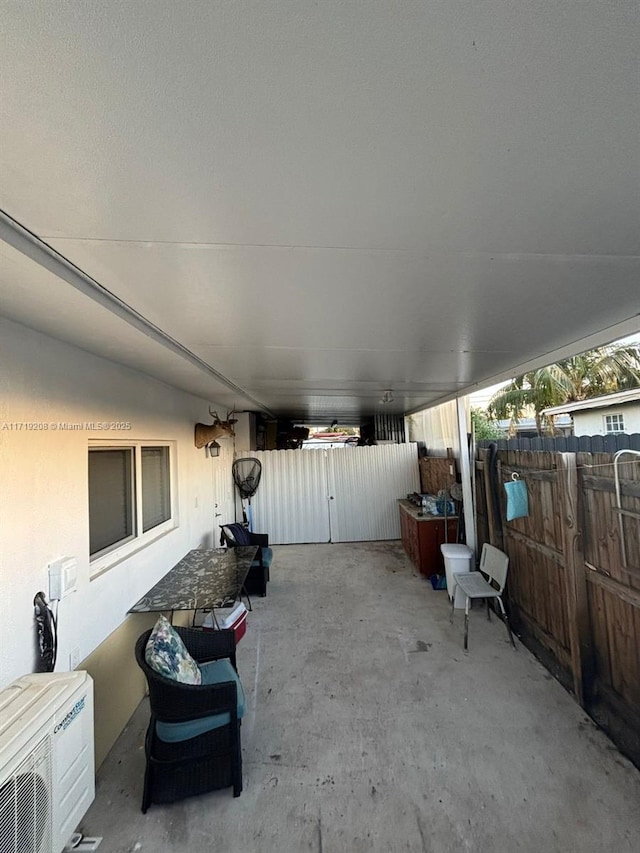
[{"x": 207, "y": 433}]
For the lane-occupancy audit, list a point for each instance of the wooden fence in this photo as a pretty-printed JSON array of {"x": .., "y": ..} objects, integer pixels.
[{"x": 574, "y": 577}]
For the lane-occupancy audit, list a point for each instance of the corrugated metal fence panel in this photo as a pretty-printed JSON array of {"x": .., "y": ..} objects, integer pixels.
[
  {"x": 366, "y": 483},
  {"x": 291, "y": 503},
  {"x": 389, "y": 427}
]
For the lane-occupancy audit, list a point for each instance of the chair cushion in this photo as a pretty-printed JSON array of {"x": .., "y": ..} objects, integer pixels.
[
  {"x": 216, "y": 672},
  {"x": 267, "y": 557},
  {"x": 239, "y": 534},
  {"x": 167, "y": 654}
]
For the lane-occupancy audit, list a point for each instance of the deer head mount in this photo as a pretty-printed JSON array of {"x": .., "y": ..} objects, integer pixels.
[{"x": 206, "y": 434}]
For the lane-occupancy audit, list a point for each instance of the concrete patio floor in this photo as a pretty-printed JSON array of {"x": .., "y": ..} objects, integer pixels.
[{"x": 369, "y": 729}]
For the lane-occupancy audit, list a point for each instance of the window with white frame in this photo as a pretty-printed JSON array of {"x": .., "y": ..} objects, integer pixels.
[
  {"x": 613, "y": 423},
  {"x": 130, "y": 498}
]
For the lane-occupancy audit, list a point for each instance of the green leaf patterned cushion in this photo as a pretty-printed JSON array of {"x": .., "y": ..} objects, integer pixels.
[{"x": 168, "y": 655}]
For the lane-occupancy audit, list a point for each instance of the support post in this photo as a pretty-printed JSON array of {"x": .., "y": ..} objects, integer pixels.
[
  {"x": 576, "y": 582},
  {"x": 465, "y": 472}
]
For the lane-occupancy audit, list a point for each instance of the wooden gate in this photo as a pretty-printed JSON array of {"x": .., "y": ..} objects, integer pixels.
[{"x": 571, "y": 598}]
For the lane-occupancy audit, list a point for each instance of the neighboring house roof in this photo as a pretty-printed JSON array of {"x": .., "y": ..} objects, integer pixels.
[
  {"x": 617, "y": 399},
  {"x": 530, "y": 423}
]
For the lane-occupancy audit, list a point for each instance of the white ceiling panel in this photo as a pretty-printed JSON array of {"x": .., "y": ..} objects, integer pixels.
[
  {"x": 35, "y": 297},
  {"x": 359, "y": 298},
  {"x": 423, "y": 369},
  {"x": 312, "y": 202}
]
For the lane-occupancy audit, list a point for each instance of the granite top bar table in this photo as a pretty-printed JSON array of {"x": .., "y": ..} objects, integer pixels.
[{"x": 202, "y": 580}]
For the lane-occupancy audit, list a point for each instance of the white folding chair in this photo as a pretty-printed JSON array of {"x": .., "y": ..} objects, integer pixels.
[{"x": 494, "y": 564}]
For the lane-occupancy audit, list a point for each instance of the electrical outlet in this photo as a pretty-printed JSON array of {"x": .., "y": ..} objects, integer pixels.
[{"x": 74, "y": 658}]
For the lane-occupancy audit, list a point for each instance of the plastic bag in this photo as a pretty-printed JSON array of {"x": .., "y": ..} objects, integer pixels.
[{"x": 435, "y": 505}]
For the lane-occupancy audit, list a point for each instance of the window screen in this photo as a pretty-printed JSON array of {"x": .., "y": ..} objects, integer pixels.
[
  {"x": 111, "y": 516},
  {"x": 156, "y": 487}
]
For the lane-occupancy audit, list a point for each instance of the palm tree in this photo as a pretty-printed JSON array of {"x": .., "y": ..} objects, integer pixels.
[{"x": 591, "y": 374}]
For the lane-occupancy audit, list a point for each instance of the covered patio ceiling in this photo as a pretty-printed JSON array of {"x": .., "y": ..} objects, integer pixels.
[{"x": 291, "y": 207}]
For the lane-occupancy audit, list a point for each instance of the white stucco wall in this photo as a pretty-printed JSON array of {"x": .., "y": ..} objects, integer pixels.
[
  {"x": 592, "y": 422},
  {"x": 44, "y": 491}
]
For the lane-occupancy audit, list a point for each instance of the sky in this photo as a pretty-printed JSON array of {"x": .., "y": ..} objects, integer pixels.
[{"x": 480, "y": 399}]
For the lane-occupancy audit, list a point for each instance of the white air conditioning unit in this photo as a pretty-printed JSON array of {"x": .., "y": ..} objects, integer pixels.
[{"x": 46, "y": 760}]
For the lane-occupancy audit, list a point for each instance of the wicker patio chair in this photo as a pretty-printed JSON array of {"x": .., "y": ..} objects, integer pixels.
[
  {"x": 187, "y": 767},
  {"x": 234, "y": 535}
]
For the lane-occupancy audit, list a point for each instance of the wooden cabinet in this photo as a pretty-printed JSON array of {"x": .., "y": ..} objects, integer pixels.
[{"x": 422, "y": 536}]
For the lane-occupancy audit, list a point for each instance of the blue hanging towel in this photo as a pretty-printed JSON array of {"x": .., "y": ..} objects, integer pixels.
[{"x": 517, "y": 499}]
